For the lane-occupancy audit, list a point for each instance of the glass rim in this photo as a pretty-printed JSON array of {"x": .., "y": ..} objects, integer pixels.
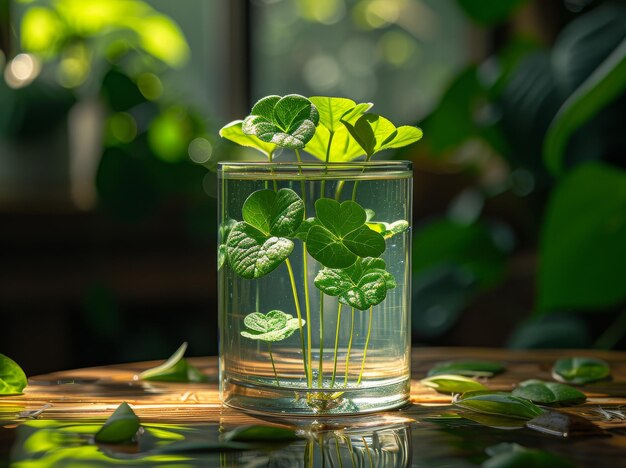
[{"x": 315, "y": 170}]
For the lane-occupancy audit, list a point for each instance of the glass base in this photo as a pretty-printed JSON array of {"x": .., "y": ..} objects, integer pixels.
[{"x": 265, "y": 397}]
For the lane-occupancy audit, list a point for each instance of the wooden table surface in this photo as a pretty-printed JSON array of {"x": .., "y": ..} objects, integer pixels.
[{"x": 92, "y": 394}]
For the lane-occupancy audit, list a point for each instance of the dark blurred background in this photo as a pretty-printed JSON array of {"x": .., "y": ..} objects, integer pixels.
[{"x": 109, "y": 112}]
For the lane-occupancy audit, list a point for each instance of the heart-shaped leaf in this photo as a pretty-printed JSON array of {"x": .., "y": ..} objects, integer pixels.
[
  {"x": 222, "y": 251},
  {"x": 274, "y": 213},
  {"x": 175, "y": 369},
  {"x": 362, "y": 285},
  {"x": 549, "y": 393},
  {"x": 120, "y": 428},
  {"x": 580, "y": 370},
  {"x": 467, "y": 368},
  {"x": 342, "y": 236},
  {"x": 273, "y": 326},
  {"x": 452, "y": 384},
  {"x": 500, "y": 403},
  {"x": 289, "y": 121},
  {"x": 12, "y": 377},
  {"x": 233, "y": 131},
  {"x": 252, "y": 254},
  {"x": 257, "y": 245}
]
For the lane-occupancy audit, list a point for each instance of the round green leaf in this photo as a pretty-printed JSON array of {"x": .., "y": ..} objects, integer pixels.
[
  {"x": 549, "y": 393},
  {"x": 12, "y": 378},
  {"x": 580, "y": 370},
  {"x": 289, "y": 121},
  {"x": 252, "y": 254},
  {"x": 500, "y": 403},
  {"x": 452, "y": 384},
  {"x": 274, "y": 213},
  {"x": 273, "y": 326},
  {"x": 362, "y": 285}
]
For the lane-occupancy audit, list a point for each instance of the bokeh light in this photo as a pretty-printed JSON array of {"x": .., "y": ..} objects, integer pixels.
[
  {"x": 150, "y": 86},
  {"x": 122, "y": 127},
  {"x": 200, "y": 150},
  {"x": 22, "y": 70}
]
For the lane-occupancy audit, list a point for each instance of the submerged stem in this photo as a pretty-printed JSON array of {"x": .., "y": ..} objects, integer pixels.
[
  {"x": 345, "y": 379},
  {"x": 332, "y": 380},
  {"x": 339, "y": 189},
  {"x": 320, "y": 370},
  {"x": 270, "y": 156},
  {"x": 367, "y": 342},
  {"x": 305, "y": 277},
  {"x": 269, "y": 346},
  {"x": 298, "y": 313}
]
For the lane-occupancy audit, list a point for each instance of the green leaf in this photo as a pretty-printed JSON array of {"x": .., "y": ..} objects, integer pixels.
[
  {"x": 120, "y": 428},
  {"x": 12, "y": 377},
  {"x": 342, "y": 236},
  {"x": 467, "y": 368},
  {"x": 274, "y": 213},
  {"x": 490, "y": 12},
  {"x": 507, "y": 455},
  {"x": 273, "y": 326},
  {"x": 447, "y": 383},
  {"x": 343, "y": 147},
  {"x": 255, "y": 433},
  {"x": 252, "y": 254},
  {"x": 405, "y": 136},
  {"x": 388, "y": 230},
  {"x": 583, "y": 253},
  {"x": 288, "y": 122},
  {"x": 175, "y": 369},
  {"x": 362, "y": 285},
  {"x": 604, "y": 85},
  {"x": 372, "y": 131},
  {"x": 303, "y": 231},
  {"x": 233, "y": 131},
  {"x": 580, "y": 370},
  {"x": 222, "y": 252},
  {"x": 331, "y": 110},
  {"x": 501, "y": 404},
  {"x": 549, "y": 393}
]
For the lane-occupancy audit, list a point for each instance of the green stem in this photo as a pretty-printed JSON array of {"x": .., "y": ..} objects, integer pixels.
[
  {"x": 270, "y": 156},
  {"x": 613, "y": 334},
  {"x": 330, "y": 142},
  {"x": 339, "y": 189},
  {"x": 367, "y": 342},
  {"x": 305, "y": 275},
  {"x": 367, "y": 450},
  {"x": 320, "y": 370},
  {"x": 269, "y": 346},
  {"x": 345, "y": 379},
  {"x": 299, "y": 314},
  {"x": 356, "y": 182},
  {"x": 332, "y": 380}
]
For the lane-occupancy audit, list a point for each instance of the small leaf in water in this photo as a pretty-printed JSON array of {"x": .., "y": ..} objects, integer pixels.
[
  {"x": 549, "y": 393},
  {"x": 468, "y": 368},
  {"x": 12, "y": 378},
  {"x": 120, "y": 428},
  {"x": 559, "y": 424},
  {"x": 257, "y": 433},
  {"x": 500, "y": 403},
  {"x": 448, "y": 383},
  {"x": 580, "y": 370},
  {"x": 175, "y": 369},
  {"x": 361, "y": 285},
  {"x": 341, "y": 236},
  {"x": 273, "y": 326},
  {"x": 507, "y": 455}
]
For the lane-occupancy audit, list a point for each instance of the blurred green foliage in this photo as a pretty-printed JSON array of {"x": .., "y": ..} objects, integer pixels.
[{"x": 554, "y": 115}]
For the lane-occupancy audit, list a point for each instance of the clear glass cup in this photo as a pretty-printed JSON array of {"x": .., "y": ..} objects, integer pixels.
[{"x": 338, "y": 359}]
